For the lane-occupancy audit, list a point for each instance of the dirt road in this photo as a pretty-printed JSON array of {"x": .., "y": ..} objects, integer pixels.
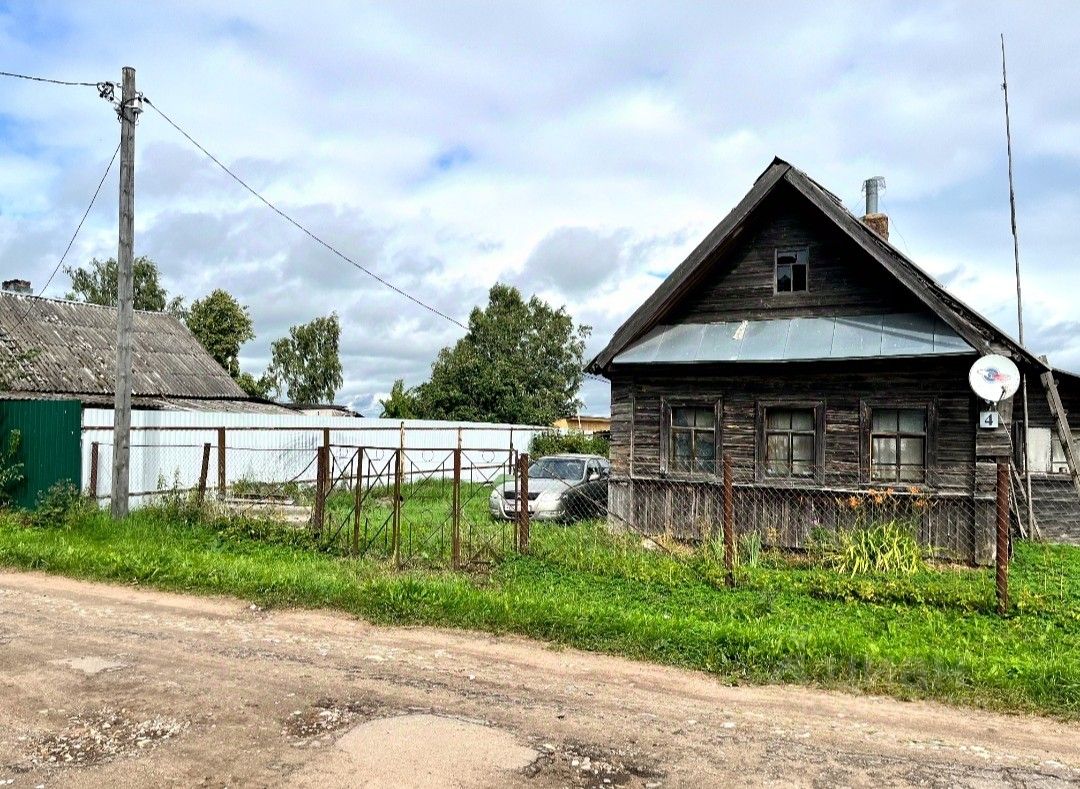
[{"x": 113, "y": 686}]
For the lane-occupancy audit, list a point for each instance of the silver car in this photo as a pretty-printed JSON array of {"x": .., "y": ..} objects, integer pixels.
[{"x": 561, "y": 488}]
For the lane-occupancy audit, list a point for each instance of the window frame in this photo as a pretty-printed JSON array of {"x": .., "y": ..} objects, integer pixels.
[
  {"x": 666, "y": 433},
  {"x": 866, "y": 410},
  {"x": 817, "y": 410},
  {"x": 799, "y": 252}
]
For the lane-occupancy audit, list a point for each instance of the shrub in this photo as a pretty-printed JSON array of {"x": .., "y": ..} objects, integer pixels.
[
  {"x": 558, "y": 443},
  {"x": 749, "y": 549},
  {"x": 887, "y": 547},
  {"x": 10, "y": 468},
  {"x": 59, "y": 506}
]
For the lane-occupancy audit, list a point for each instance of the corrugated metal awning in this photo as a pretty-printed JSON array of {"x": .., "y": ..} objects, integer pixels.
[{"x": 798, "y": 339}]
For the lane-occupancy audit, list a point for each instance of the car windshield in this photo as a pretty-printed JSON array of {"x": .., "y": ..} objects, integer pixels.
[{"x": 557, "y": 468}]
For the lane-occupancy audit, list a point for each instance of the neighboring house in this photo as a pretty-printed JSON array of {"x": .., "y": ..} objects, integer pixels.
[
  {"x": 52, "y": 349},
  {"x": 323, "y": 409},
  {"x": 584, "y": 424},
  {"x": 798, "y": 341}
]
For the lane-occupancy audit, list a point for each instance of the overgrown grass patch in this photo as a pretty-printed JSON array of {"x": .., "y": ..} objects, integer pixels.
[{"x": 931, "y": 634}]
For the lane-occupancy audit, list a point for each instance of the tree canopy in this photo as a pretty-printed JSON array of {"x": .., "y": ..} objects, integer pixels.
[
  {"x": 307, "y": 364},
  {"x": 401, "y": 403},
  {"x": 97, "y": 283},
  {"x": 221, "y": 324},
  {"x": 521, "y": 361}
]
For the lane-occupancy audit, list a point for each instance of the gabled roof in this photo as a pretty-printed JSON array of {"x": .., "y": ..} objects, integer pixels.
[
  {"x": 68, "y": 347},
  {"x": 972, "y": 327}
]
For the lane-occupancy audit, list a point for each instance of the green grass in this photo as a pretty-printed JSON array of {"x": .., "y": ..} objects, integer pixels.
[{"x": 931, "y": 634}]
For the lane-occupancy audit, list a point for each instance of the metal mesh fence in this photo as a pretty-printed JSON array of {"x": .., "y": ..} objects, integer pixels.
[{"x": 468, "y": 507}]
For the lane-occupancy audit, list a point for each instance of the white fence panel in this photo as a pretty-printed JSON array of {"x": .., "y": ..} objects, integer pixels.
[{"x": 167, "y": 446}]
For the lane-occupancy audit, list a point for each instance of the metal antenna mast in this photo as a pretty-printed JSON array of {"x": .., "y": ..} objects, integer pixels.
[{"x": 1019, "y": 298}]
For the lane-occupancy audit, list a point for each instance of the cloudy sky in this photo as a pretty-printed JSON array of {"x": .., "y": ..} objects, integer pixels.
[{"x": 577, "y": 150}]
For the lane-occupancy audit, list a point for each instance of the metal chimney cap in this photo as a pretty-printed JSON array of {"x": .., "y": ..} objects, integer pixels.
[{"x": 871, "y": 187}]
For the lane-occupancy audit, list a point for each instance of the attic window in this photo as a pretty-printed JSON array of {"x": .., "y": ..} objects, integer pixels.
[{"x": 792, "y": 270}]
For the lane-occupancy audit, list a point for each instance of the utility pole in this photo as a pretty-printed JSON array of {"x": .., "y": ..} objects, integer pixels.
[{"x": 129, "y": 109}]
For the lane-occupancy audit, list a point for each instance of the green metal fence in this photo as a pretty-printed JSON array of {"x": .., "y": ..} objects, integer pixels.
[{"x": 49, "y": 444}]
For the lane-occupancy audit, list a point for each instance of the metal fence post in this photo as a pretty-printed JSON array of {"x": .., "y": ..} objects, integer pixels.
[
  {"x": 94, "y": 470},
  {"x": 455, "y": 519},
  {"x": 523, "y": 503},
  {"x": 729, "y": 524},
  {"x": 1002, "y": 551},
  {"x": 318, "y": 516},
  {"x": 395, "y": 537},
  {"x": 358, "y": 496},
  {"x": 221, "y": 461},
  {"x": 204, "y": 472}
]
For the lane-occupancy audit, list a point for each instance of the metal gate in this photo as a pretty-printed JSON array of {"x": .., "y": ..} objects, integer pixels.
[{"x": 49, "y": 434}]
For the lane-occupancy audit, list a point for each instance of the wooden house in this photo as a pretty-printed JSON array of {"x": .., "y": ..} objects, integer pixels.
[{"x": 798, "y": 341}]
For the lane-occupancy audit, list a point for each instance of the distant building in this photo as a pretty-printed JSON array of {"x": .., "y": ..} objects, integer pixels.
[
  {"x": 584, "y": 424},
  {"x": 53, "y": 349},
  {"x": 323, "y": 409}
]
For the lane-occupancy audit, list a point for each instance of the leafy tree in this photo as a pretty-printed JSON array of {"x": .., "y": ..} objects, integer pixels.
[
  {"x": 521, "y": 361},
  {"x": 402, "y": 403},
  {"x": 307, "y": 362},
  {"x": 221, "y": 324},
  {"x": 96, "y": 284},
  {"x": 261, "y": 387}
]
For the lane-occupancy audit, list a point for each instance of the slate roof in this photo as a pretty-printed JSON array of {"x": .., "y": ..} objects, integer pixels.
[{"x": 73, "y": 347}]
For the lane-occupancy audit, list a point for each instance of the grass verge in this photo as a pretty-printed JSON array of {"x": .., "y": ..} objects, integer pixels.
[{"x": 929, "y": 636}]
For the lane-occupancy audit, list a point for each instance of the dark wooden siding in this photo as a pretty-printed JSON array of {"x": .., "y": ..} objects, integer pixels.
[
  {"x": 960, "y": 526},
  {"x": 843, "y": 387},
  {"x": 842, "y": 277}
]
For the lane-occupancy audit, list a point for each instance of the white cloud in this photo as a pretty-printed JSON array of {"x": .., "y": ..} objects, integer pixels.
[{"x": 580, "y": 149}]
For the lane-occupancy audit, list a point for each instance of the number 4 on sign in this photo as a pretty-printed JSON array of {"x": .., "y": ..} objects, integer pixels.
[{"x": 989, "y": 420}]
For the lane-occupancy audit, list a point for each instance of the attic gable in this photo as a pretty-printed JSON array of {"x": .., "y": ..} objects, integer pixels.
[
  {"x": 734, "y": 229},
  {"x": 837, "y": 277}
]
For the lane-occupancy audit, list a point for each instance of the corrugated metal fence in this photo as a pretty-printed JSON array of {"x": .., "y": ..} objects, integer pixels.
[
  {"x": 170, "y": 448},
  {"x": 48, "y": 444}
]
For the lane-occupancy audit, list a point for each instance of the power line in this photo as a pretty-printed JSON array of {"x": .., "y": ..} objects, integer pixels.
[
  {"x": 52, "y": 81},
  {"x": 71, "y": 243},
  {"x": 301, "y": 227}
]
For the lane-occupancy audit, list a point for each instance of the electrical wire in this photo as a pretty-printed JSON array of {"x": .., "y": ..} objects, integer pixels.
[
  {"x": 71, "y": 242},
  {"x": 51, "y": 81},
  {"x": 301, "y": 227}
]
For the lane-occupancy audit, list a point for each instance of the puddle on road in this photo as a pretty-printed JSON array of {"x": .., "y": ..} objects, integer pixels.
[
  {"x": 89, "y": 665},
  {"x": 419, "y": 750}
]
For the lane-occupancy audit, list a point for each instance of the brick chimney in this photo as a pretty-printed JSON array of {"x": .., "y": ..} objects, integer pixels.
[
  {"x": 874, "y": 219},
  {"x": 17, "y": 286}
]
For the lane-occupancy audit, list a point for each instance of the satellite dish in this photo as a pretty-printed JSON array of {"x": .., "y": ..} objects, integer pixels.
[{"x": 994, "y": 378}]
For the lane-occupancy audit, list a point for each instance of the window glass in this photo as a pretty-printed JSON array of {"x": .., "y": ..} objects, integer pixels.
[
  {"x": 683, "y": 444},
  {"x": 798, "y": 278},
  {"x": 883, "y": 450},
  {"x": 783, "y": 278},
  {"x": 884, "y": 419},
  {"x": 912, "y": 420},
  {"x": 898, "y": 444},
  {"x": 802, "y": 447},
  {"x": 792, "y": 271},
  {"x": 693, "y": 441},
  {"x": 790, "y": 442},
  {"x": 778, "y": 419}
]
